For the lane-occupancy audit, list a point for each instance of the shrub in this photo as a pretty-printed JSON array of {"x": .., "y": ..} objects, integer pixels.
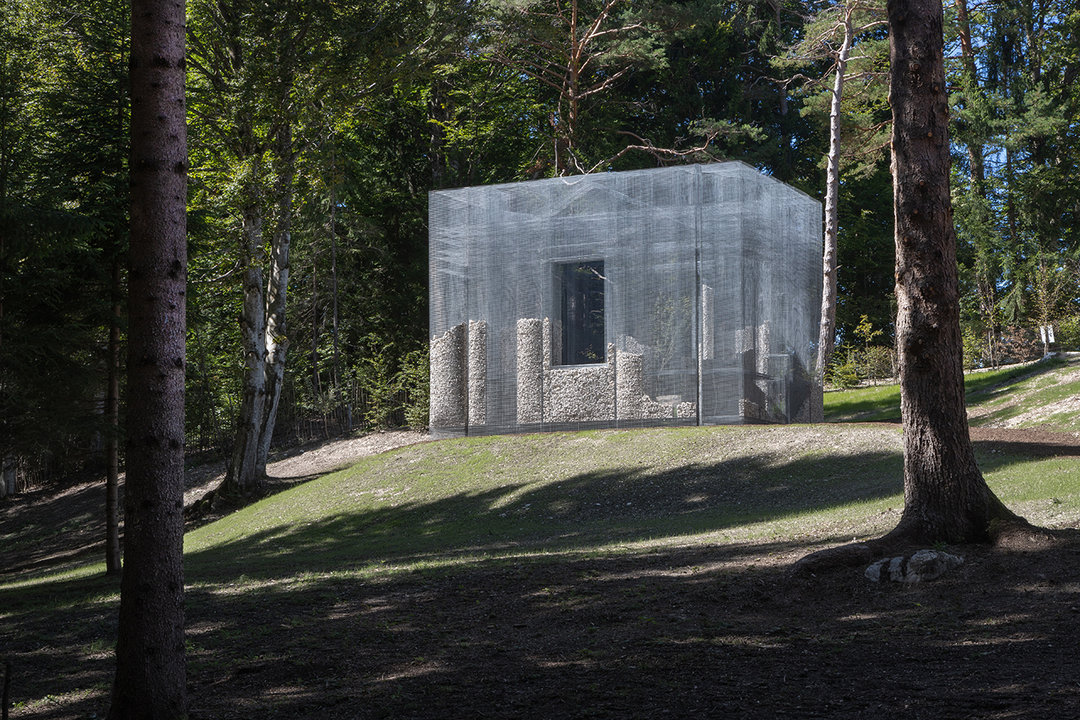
[
  {"x": 878, "y": 362},
  {"x": 1067, "y": 333},
  {"x": 413, "y": 379},
  {"x": 843, "y": 372},
  {"x": 1018, "y": 344}
]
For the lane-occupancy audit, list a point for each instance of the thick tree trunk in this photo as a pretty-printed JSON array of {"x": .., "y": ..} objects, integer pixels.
[
  {"x": 277, "y": 339},
  {"x": 945, "y": 496},
  {"x": 150, "y": 675},
  {"x": 242, "y": 476},
  {"x": 112, "y": 438},
  {"x": 827, "y": 327}
]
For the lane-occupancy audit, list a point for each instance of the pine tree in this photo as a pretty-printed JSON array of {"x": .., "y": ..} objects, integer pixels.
[{"x": 150, "y": 671}]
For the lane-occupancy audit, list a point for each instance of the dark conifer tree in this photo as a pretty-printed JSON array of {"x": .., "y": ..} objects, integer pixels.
[{"x": 150, "y": 673}]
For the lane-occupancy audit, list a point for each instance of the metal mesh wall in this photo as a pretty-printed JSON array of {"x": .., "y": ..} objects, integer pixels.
[{"x": 705, "y": 284}]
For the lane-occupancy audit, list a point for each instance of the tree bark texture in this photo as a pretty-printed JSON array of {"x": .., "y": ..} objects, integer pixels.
[
  {"x": 277, "y": 339},
  {"x": 112, "y": 438},
  {"x": 242, "y": 477},
  {"x": 150, "y": 675},
  {"x": 945, "y": 496},
  {"x": 827, "y": 328}
]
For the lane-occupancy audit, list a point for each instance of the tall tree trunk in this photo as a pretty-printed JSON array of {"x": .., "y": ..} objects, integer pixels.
[
  {"x": 112, "y": 436},
  {"x": 277, "y": 339},
  {"x": 150, "y": 677},
  {"x": 827, "y": 327},
  {"x": 945, "y": 496},
  {"x": 335, "y": 364},
  {"x": 967, "y": 54},
  {"x": 9, "y": 467},
  {"x": 985, "y": 276},
  {"x": 316, "y": 383},
  {"x": 242, "y": 477}
]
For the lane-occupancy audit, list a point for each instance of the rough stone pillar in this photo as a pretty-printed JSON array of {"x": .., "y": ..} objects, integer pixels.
[
  {"x": 708, "y": 345},
  {"x": 762, "y": 348},
  {"x": 548, "y": 344},
  {"x": 745, "y": 349},
  {"x": 448, "y": 367},
  {"x": 477, "y": 367},
  {"x": 530, "y": 371},
  {"x": 761, "y": 357},
  {"x": 629, "y": 385}
]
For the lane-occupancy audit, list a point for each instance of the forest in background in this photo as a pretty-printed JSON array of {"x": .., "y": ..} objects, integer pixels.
[{"x": 316, "y": 130}]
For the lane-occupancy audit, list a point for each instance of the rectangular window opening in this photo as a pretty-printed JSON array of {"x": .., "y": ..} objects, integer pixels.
[{"x": 582, "y": 312}]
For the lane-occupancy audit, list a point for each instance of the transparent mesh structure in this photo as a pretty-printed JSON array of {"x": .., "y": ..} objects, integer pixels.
[{"x": 682, "y": 295}]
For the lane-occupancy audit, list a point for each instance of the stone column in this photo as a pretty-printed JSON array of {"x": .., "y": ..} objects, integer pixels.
[
  {"x": 708, "y": 346},
  {"x": 629, "y": 385},
  {"x": 447, "y": 378},
  {"x": 530, "y": 371},
  {"x": 477, "y": 367}
]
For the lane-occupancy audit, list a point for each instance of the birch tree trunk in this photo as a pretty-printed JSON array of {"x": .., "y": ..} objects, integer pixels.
[
  {"x": 277, "y": 339},
  {"x": 339, "y": 397},
  {"x": 827, "y": 328},
  {"x": 242, "y": 476},
  {"x": 150, "y": 677}
]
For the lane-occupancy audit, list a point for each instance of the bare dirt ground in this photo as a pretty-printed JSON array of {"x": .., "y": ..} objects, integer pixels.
[
  {"x": 713, "y": 632},
  {"x": 717, "y": 632}
]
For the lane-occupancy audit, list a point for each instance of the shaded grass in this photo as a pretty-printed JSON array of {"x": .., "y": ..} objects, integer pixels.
[{"x": 439, "y": 520}]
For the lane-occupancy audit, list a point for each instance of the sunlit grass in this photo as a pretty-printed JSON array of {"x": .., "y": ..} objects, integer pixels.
[
  {"x": 453, "y": 503},
  {"x": 993, "y": 396},
  {"x": 481, "y": 500},
  {"x": 458, "y": 509}
]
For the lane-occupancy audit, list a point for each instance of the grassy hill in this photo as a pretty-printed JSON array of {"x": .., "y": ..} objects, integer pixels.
[
  {"x": 598, "y": 574},
  {"x": 1045, "y": 394}
]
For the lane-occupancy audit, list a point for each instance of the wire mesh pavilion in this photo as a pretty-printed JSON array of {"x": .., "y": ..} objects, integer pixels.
[{"x": 681, "y": 295}]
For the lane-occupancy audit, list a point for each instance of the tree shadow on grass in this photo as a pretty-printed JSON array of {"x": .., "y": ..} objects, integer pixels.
[
  {"x": 717, "y": 631},
  {"x": 693, "y": 632},
  {"x": 594, "y": 508},
  {"x": 519, "y": 602},
  {"x": 992, "y": 454}
]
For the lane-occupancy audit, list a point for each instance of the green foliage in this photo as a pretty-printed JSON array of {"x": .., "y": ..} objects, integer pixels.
[
  {"x": 843, "y": 370},
  {"x": 413, "y": 379},
  {"x": 1015, "y": 127},
  {"x": 865, "y": 331},
  {"x": 879, "y": 362},
  {"x": 975, "y": 349},
  {"x": 865, "y": 277},
  {"x": 376, "y": 377},
  {"x": 63, "y": 217},
  {"x": 1067, "y": 333},
  {"x": 387, "y": 102},
  {"x": 851, "y": 364}
]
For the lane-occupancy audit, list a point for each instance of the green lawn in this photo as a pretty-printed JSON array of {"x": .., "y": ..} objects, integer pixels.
[
  {"x": 993, "y": 397},
  {"x": 438, "y": 525}
]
